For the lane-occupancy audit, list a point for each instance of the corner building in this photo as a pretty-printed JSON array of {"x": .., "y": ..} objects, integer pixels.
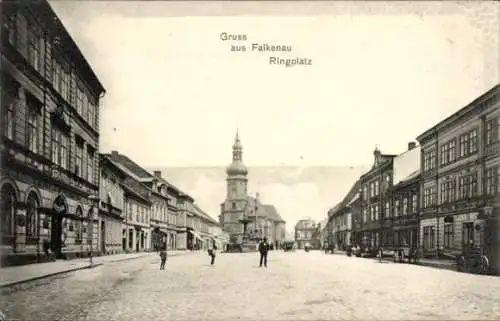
[
  {"x": 49, "y": 180},
  {"x": 460, "y": 203}
]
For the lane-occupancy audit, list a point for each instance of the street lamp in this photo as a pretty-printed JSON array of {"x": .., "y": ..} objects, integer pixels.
[{"x": 94, "y": 199}]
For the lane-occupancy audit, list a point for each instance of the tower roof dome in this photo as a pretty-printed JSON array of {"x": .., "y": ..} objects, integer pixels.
[{"x": 237, "y": 167}]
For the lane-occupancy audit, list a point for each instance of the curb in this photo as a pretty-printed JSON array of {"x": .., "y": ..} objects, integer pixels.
[
  {"x": 49, "y": 275},
  {"x": 67, "y": 271}
]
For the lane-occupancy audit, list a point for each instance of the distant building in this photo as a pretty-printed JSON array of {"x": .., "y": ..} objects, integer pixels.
[
  {"x": 240, "y": 211},
  {"x": 307, "y": 232}
]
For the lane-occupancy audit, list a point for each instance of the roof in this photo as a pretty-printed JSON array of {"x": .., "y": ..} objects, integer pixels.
[
  {"x": 405, "y": 165},
  {"x": 265, "y": 210},
  {"x": 135, "y": 188},
  {"x": 204, "y": 214},
  {"x": 44, "y": 10}
]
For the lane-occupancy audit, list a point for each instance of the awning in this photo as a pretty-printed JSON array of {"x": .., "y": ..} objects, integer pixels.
[{"x": 196, "y": 235}]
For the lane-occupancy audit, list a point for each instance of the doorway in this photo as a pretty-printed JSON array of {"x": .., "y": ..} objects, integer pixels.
[
  {"x": 56, "y": 234},
  {"x": 59, "y": 209},
  {"x": 103, "y": 237}
]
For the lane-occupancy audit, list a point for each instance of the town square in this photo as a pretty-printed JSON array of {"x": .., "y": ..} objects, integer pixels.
[{"x": 149, "y": 170}]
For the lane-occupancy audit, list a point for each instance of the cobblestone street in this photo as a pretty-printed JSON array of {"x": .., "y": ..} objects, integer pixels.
[{"x": 306, "y": 286}]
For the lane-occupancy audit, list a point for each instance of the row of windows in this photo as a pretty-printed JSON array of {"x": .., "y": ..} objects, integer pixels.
[
  {"x": 30, "y": 42},
  {"x": 467, "y": 145},
  {"x": 429, "y": 236},
  {"x": 141, "y": 213},
  {"x": 60, "y": 142}
]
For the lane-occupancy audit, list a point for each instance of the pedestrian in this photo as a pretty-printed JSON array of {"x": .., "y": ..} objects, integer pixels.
[
  {"x": 263, "y": 249},
  {"x": 163, "y": 257},
  {"x": 212, "y": 254}
]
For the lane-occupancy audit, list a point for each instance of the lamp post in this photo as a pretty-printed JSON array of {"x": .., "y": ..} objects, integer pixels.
[{"x": 94, "y": 199}]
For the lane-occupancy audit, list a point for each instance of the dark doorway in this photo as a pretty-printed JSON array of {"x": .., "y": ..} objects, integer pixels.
[
  {"x": 58, "y": 210},
  {"x": 103, "y": 237}
]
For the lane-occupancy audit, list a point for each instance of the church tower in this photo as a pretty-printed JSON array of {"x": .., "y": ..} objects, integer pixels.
[{"x": 232, "y": 210}]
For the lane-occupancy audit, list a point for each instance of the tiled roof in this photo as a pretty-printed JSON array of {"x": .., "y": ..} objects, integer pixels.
[
  {"x": 204, "y": 214},
  {"x": 265, "y": 210}
]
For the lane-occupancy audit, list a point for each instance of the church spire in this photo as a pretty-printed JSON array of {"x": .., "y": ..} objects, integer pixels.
[{"x": 237, "y": 148}]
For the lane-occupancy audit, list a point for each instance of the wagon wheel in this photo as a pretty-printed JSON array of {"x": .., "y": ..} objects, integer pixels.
[{"x": 484, "y": 264}]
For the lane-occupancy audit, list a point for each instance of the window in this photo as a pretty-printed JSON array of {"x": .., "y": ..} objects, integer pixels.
[
  {"x": 467, "y": 233},
  {"x": 79, "y": 101},
  {"x": 8, "y": 206},
  {"x": 467, "y": 186},
  {"x": 468, "y": 143},
  {"x": 10, "y": 27},
  {"x": 492, "y": 181},
  {"x": 387, "y": 209},
  {"x": 448, "y": 236},
  {"x": 34, "y": 56},
  {"x": 428, "y": 237},
  {"x": 233, "y": 205},
  {"x": 448, "y": 153},
  {"x": 56, "y": 75},
  {"x": 377, "y": 212},
  {"x": 405, "y": 206},
  {"x": 429, "y": 160},
  {"x": 429, "y": 196},
  {"x": 492, "y": 131},
  {"x": 78, "y": 225},
  {"x": 32, "y": 129},
  {"x": 365, "y": 192},
  {"x": 90, "y": 164},
  {"x": 9, "y": 101},
  {"x": 396, "y": 208},
  {"x": 448, "y": 191},
  {"x": 22, "y": 36},
  {"x": 365, "y": 215},
  {"x": 414, "y": 201},
  {"x": 63, "y": 151},
  {"x": 376, "y": 188},
  {"x": 79, "y": 157},
  {"x": 85, "y": 107},
  {"x": 32, "y": 216},
  {"x": 65, "y": 84},
  {"x": 55, "y": 145}
]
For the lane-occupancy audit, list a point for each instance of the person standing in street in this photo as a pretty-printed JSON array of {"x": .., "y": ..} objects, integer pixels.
[
  {"x": 163, "y": 257},
  {"x": 212, "y": 253},
  {"x": 263, "y": 249}
]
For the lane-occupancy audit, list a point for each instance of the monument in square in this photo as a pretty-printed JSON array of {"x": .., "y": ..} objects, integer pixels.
[{"x": 245, "y": 218}]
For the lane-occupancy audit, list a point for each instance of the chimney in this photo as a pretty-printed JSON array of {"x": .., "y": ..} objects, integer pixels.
[
  {"x": 376, "y": 156},
  {"x": 412, "y": 145},
  {"x": 157, "y": 174},
  {"x": 114, "y": 155}
]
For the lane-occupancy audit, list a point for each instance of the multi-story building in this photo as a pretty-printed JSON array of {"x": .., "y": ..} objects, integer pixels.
[
  {"x": 111, "y": 207},
  {"x": 460, "y": 157},
  {"x": 375, "y": 184},
  {"x": 405, "y": 196},
  {"x": 306, "y": 232},
  {"x": 241, "y": 213},
  {"x": 341, "y": 216},
  {"x": 50, "y": 137}
]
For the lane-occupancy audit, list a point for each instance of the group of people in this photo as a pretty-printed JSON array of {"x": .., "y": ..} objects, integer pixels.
[{"x": 263, "y": 250}]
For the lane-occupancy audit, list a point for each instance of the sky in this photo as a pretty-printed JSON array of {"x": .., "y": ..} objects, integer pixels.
[{"x": 380, "y": 76}]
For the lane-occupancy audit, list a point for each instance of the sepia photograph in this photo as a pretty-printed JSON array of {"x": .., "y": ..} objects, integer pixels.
[{"x": 249, "y": 160}]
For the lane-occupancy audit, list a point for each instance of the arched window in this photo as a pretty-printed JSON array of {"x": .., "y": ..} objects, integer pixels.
[
  {"x": 32, "y": 215},
  {"x": 78, "y": 226},
  {"x": 8, "y": 206}
]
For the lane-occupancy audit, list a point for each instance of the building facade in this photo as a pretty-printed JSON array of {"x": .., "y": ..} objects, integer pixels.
[
  {"x": 306, "y": 232},
  {"x": 405, "y": 196},
  {"x": 376, "y": 223},
  {"x": 111, "y": 207},
  {"x": 460, "y": 157},
  {"x": 49, "y": 179}
]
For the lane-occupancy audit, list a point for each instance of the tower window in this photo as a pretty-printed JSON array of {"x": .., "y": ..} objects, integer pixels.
[{"x": 233, "y": 205}]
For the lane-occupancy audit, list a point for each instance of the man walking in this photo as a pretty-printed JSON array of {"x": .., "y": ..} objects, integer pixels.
[
  {"x": 263, "y": 249},
  {"x": 163, "y": 257}
]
